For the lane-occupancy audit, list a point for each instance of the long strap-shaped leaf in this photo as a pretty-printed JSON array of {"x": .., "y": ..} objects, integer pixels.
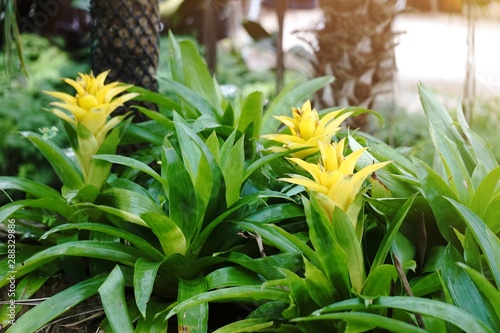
[
  {"x": 46, "y": 311},
  {"x": 438, "y": 309}
]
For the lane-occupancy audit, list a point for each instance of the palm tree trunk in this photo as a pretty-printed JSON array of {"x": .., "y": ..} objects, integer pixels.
[
  {"x": 356, "y": 46},
  {"x": 125, "y": 36}
]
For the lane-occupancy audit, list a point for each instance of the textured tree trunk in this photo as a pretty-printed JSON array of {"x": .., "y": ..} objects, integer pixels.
[
  {"x": 125, "y": 36},
  {"x": 356, "y": 46}
]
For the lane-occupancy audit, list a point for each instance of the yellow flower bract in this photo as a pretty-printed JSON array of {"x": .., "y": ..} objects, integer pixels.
[
  {"x": 307, "y": 129},
  {"x": 93, "y": 103},
  {"x": 334, "y": 175}
]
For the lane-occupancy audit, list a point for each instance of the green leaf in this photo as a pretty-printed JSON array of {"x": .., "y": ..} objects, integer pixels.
[
  {"x": 197, "y": 77},
  {"x": 251, "y": 113},
  {"x": 68, "y": 172},
  {"x": 175, "y": 58},
  {"x": 54, "y": 205},
  {"x": 232, "y": 171},
  {"x": 289, "y": 97},
  {"x": 438, "y": 309},
  {"x": 246, "y": 325},
  {"x": 56, "y": 305},
  {"x": 144, "y": 278},
  {"x": 192, "y": 99},
  {"x": 132, "y": 163},
  {"x": 234, "y": 294},
  {"x": 435, "y": 190},
  {"x": 487, "y": 240},
  {"x": 378, "y": 282},
  {"x": 456, "y": 170},
  {"x": 391, "y": 232},
  {"x": 137, "y": 241},
  {"x": 346, "y": 238},
  {"x": 112, "y": 293},
  {"x": 492, "y": 215},
  {"x": 440, "y": 120},
  {"x": 231, "y": 276},
  {"x": 332, "y": 257},
  {"x": 365, "y": 319},
  {"x": 193, "y": 317},
  {"x": 460, "y": 287},
  {"x": 28, "y": 186},
  {"x": 157, "y": 117},
  {"x": 131, "y": 202},
  {"x": 154, "y": 97},
  {"x": 182, "y": 196},
  {"x": 485, "y": 192},
  {"x": 169, "y": 234},
  {"x": 489, "y": 292},
  {"x": 114, "y": 252}
]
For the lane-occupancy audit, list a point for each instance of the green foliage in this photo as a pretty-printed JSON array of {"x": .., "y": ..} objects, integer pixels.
[
  {"x": 22, "y": 100},
  {"x": 199, "y": 216}
]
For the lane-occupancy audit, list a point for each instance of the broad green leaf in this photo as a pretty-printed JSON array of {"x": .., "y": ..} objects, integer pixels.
[
  {"x": 230, "y": 277},
  {"x": 392, "y": 230},
  {"x": 175, "y": 58},
  {"x": 485, "y": 192},
  {"x": 429, "y": 284},
  {"x": 438, "y": 309},
  {"x": 440, "y": 120},
  {"x": 462, "y": 290},
  {"x": 193, "y": 99},
  {"x": 154, "y": 97},
  {"x": 68, "y": 172},
  {"x": 251, "y": 113},
  {"x": 246, "y": 325},
  {"x": 132, "y": 163},
  {"x": 435, "y": 190},
  {"x": 269, "y": 267},
  {"x": 182, "y": 197},
  {"x": 234, "y": 294},
  {"x": 51, "y": 204},
  {"x": 144, "y": 278},
  {"x": 129, "y": 201},
  {"x": 492, "y": 215},
  {"x": 378, "y": 282},
  {"x": 195, "y": 247},
  {"x": 137, "y": 241},
  {"x": 486, "y": 239},
  {"x": 26, "y": 287},
  {"x": 56, "y": 305},
  {"x": 169, "y": 234},
  {"x": 279, "y": 238},
  {"x": 197, "y": 77},
  {"x": 320, "y": 288},
  {"x": 366, "y": 320},
  {"x": 482, "y": 153},
  {"x": 112, "y": 293},
  {"x": 456, "y": 170},
  {"x": 333, "y": 259},
  {"x": 289, "y": 97},
  {"x": 153, "y": 323},
  {"x": 487, "y": 289},
  {"x": 275, "y": 213},
  {"x": 232, "y": 171},
  {"x": 215, "y": 203},
  {"x": 28, "y": 186},
  {"x": 157, "y": 117},
  {"x": 114, "y": 252},
  {"x": 193, "y": 317},
  {"x": 346, "y": 238}
]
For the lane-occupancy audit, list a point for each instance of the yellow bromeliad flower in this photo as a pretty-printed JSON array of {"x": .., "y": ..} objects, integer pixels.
[
  {"x": 307, "y": 129},
  {"x": 93, "y": 103},
  {"x": 334, "y": 175}
]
